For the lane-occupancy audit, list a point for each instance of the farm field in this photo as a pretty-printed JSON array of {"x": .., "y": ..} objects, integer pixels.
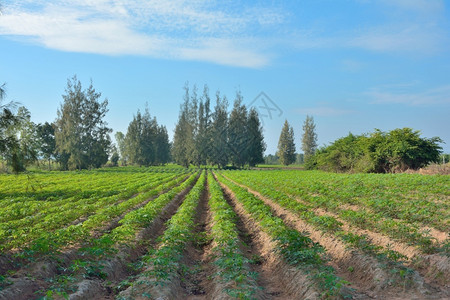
[{"x": 173, "y": 233}]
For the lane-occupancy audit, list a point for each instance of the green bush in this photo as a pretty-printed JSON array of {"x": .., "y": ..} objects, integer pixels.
[{"x": 379, "y": 152}]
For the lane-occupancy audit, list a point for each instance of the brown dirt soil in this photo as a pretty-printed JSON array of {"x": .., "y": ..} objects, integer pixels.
[
  {"x": 440, "y": 236},
  {"x": 432, "y": 170},
  {"x": 116, "y": 267},
  {"x": 47, "y": 267},
  {"x": 366, "y": 275},
  {"x": 195, "y": 284},
  {"x": 433, "y": 267},
  {"x": 278, "y": 279},
  {"x": 10, "y": 263}
]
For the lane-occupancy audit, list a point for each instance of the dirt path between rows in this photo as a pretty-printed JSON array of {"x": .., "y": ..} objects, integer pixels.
[
  {"x": 366, "y": 275},
  {"x": 32, "y": 278},
  {"x": 277, "y": 279}
]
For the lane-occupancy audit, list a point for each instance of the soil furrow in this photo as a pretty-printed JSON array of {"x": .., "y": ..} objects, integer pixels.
[
  {"x": 50, "y": 266},
  {"x": 367, "y": 276},
  {"x": 117, "y": 267},
  {"x": 439, "y": 236},
  {"x": 277, "y": 279}
]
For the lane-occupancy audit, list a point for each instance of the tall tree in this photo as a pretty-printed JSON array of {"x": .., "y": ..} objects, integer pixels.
[
  {"x": 146, "y": 143},
  {"x": 218, "y": 154},
  {"x": 121, "y": 145},
  {"x": 309, "y": 138},
  {"x": 256, "y": 145},
  {"x": 17, "y": 139},
  {"x": 202, "y": 141},
  {"x": 162, "y": 146},
  {"x": 46, "y": 136},
  {"x": 82, "y": 136},
  {"x": 7, "y": 119},
  {"x": 183, "y": 148},
  {"x": 238, "y": 133},
  {"x": 286, "y": 145},
  {"x": 24, "y": 150},
  {"x": 133, "y": 140}
]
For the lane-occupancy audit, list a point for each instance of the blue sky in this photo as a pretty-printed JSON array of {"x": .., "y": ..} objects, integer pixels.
[{"x": 354, "y": 65}]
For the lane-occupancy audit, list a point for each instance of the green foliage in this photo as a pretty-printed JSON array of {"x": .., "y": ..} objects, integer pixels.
[
  {"x": 309, "y": 137},
  {"x": 82, "y": 136},
  {"x": 286, "y": 145},
  {"x": 219, "y": 133},
  {"x": 46, "y": 136},
  {"x": 183, "y": 147},
  {"x": 19, "y": 144},
  {"x": 203, "y": 137},
  {"x": 115, "y": 159},
  {"x": 379, "y": 152},
  {"x": 238, "y": 142},
  {"x": 295, "y": 247},
  {"x": 146, "y": 143},
  {"x": 41, "y": 227},
  {"x": 232, "y": 266},
  {"x": 165, "y": 261},
  {"x": 256, "y": 146}
]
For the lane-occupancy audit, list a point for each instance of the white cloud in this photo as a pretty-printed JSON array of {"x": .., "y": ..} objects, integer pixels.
[
  {"x": 434, "y": 96},
  {"x": 404, "y": 38},
  {"x": 192, "y": 30}
]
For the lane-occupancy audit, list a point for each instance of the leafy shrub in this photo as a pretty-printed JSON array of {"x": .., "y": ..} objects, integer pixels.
[{"x": 379, "y": 152}]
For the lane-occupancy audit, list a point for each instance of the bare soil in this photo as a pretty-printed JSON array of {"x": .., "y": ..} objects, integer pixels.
[
  {"x": 30, "y": 279},
  {"x": 277, "y": 279},
  {"x": 368, "y": 277}
]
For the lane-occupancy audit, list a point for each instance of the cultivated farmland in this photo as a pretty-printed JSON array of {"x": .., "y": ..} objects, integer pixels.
[{"x": 172, "y": 233}]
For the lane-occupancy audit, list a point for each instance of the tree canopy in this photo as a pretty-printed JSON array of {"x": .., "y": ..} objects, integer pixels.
[
  {"x": 82, "y": 135},
  {"x": 380, "y": 152},
  {"x": 309, "y": 137},
  {"x": 217, "y": 137},
  {"x": 146, "y": 143},
  {"x": 286, "y": 145}
]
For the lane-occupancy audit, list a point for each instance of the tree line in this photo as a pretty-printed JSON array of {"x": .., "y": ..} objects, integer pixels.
[
  {"x": 286, "y": 153},
  {"x": 79, "y": 138},
  {"x": 205, "y": 136}
]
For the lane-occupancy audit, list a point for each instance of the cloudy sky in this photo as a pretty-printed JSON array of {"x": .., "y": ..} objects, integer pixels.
[{"x": 354, "y": 65}]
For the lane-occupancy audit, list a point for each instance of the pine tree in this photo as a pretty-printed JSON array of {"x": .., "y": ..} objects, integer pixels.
[
  {"x": 202, "y": 142},
  {"x": 82, "y": 136},
  {"x": 46, "y": 135},
  {"x": 120, "y": 139},
  {"x": 286, "y": 145},
  {"x": 238, "y": 141},
  {"x": 183, "y": 139},
  {"x": 162, "y": 146},
  {"x": 218, "y": 154},
  {"x": 256, "y": 145},
  {"x": 146, "y": 143},
  {"x": 309, "y": 138}
]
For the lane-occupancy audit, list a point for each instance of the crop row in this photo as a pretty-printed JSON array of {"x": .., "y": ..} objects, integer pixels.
[
  {"x": 51, "y": 186},
  {"x": 31, "y": 211},
  {"x": 98, "y": 246},
  {"x": 410, "y": 197},
  {"x": 232, "y": 266},
  {"x": 292, "y": 194},
  {"x": 295, "y": 247},
  {"x": 97, "y": 249},
  {"x": 164, "y": 262},
  {"x": 52, "y": 235}
]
